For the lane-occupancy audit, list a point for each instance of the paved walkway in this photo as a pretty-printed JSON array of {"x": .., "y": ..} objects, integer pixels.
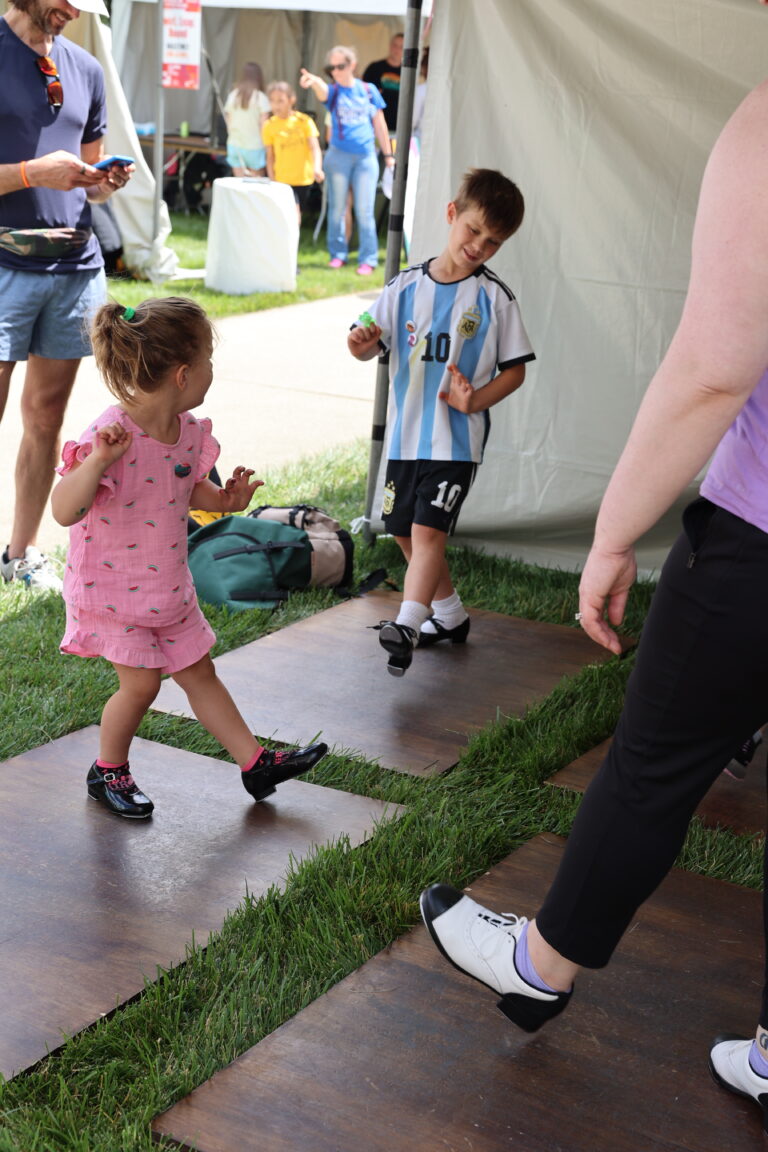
[{"x": 284, "y": 388}]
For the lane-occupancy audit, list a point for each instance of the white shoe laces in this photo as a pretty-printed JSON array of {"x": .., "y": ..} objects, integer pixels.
[{"x": 504, "y": 921}]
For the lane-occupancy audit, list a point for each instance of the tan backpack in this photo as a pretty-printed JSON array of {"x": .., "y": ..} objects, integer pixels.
[{"x": 332, "y": 547}]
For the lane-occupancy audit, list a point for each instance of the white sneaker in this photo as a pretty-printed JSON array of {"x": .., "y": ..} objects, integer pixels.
[
  {"x": 33, "y": 569},
  {"x": 729, "y": 1064},
  {"x": 482, "y": 945}
]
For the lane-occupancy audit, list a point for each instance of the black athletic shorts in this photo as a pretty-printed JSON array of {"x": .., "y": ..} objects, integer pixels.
[
  {"x": 301, "y": 194},
  {"x": 428, "y": 492}
]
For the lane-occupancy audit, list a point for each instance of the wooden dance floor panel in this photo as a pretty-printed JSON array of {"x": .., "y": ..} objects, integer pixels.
[
  {"x": 327, "y": 674},
  {"x": 736, "y": 804},
  {"x": 91, "y": 903},
  {"x": 408, "y": 1053}
]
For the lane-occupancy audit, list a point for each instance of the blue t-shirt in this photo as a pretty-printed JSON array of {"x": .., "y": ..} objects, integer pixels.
[
  {"x": 31, "y": 127},
  {"x": 352, "y": 110}
]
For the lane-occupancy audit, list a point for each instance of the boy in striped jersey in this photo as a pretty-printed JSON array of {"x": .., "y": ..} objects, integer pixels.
[{"x": 457, "y": 346}]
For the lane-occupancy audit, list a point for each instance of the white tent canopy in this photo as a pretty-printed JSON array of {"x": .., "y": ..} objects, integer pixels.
[{"x": 603, "y": 111}]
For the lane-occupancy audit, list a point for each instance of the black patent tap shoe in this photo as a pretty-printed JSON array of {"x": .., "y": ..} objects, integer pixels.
[
  {"x": 273, "y": 768},
  {"x": 118, "y": 791}
]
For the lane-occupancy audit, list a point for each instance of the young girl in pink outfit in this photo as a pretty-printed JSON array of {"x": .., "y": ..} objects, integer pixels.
[{"x": 125, "y": 491}]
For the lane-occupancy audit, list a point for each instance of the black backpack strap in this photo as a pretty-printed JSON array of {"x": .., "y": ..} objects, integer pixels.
[{"x": 373, "y": 580}]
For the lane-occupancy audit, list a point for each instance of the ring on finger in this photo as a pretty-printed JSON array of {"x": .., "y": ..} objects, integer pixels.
[{"x": 577, "y": 616}]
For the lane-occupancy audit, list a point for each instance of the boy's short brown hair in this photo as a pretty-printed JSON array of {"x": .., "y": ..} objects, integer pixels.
[{"x": 500, "y": 201}]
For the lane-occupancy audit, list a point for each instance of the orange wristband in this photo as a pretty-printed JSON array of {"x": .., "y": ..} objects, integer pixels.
[{"x": 24, "y": 180}]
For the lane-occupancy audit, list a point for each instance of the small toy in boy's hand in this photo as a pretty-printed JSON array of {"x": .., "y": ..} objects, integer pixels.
[{"x": 366, "y": 319}]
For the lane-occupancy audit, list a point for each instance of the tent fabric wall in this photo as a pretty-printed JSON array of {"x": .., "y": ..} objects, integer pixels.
[
  {"x": 146, "y": 255},
  {"x": 282, "y": 42},
  {"x": 603, "y": 111}
]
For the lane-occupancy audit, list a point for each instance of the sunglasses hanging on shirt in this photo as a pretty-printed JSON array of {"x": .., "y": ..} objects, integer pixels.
[{"x": 50, "y": 74}]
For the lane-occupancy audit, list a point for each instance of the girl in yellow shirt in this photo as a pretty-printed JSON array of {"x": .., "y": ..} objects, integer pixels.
[{"x": 291, "y": 140}]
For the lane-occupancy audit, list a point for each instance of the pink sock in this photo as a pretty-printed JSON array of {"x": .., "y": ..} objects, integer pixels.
[
  {"x": 107, "y": 765},
  {"x": 253, "y": 761}
]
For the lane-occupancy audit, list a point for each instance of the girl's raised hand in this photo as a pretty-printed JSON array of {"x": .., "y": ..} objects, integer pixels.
[
  {"x": 110, "y": 443},
  {"x": 236, "y": 494},
  {"x": 460, "y": 392}
]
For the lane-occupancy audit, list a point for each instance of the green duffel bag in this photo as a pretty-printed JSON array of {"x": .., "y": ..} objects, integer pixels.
[{"x": 245, "y": 563}]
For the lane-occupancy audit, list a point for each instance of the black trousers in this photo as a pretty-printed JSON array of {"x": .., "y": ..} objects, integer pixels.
[{"x": 698, "y": 690}]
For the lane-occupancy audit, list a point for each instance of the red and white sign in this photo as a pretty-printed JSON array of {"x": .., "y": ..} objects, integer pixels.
[{"x": 181, "y": 43}]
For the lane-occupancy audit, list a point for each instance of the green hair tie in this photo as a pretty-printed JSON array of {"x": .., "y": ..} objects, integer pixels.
[{"x": 129, "y": 313}]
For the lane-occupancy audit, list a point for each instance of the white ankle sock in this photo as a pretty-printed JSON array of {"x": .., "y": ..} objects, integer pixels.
[
  {"x": 412, "y": 614},
  {"x": 450, "y": 612}
]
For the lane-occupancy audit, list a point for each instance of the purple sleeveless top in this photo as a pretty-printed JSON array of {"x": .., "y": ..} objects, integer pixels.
[{"x": 737, "y": 479}]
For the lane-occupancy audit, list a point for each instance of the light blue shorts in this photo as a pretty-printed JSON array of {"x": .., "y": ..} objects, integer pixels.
[
  {"x": 253, "y": 158},
  {"x": 48, "y": 313}
]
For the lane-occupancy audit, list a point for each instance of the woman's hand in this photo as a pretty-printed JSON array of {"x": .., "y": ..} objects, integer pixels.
[
  {"x": 316, "y": 83},
  {"x": 603, "y": 590},
  {"x": 236, "y": 494}
]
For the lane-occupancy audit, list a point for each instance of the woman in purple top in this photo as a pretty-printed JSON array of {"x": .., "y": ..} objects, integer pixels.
[
  {"x": 357, "y": 122},
  {"x": 701, "y": 678}
]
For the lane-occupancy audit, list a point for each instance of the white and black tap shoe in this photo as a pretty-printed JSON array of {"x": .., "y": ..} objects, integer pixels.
[
  {"x": 482, "y": 944},
  {"x": 729, "y": 1064}
]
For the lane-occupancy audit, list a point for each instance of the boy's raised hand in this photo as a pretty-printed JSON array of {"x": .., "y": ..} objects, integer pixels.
[
  {"x": 110, "y": 443},
  {"x": 236, "y": 494},
  {"x": 363, "y": 340},
  {"x": 460, "y": 394}
]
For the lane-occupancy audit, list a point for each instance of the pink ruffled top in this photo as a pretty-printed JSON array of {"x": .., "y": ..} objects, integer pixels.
[{"x": 129, "y": 555}]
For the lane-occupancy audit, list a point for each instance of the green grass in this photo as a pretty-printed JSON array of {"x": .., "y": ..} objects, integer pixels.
[
  {"x": 315, "y": 280},
  {"x": 275, "y": 954}
]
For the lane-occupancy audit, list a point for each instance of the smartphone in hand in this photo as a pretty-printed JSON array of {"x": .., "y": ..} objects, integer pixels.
[{"x": 108, "y": 161}]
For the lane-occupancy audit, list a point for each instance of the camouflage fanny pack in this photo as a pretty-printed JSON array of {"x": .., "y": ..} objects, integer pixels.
[{"x": 47, "y": 243}]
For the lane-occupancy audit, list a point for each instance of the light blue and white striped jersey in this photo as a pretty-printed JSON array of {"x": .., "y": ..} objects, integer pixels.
[{"x": 475, "y": 324}]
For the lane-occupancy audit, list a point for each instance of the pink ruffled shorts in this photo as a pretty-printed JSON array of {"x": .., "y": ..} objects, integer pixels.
[{"x": 169, "y": 648}]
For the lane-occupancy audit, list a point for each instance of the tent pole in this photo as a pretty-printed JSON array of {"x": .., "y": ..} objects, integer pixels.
[
  {"x": 408, "y": 77},
  {"x": 306, "y": 40},
  {"x": 159, "y": 124}
]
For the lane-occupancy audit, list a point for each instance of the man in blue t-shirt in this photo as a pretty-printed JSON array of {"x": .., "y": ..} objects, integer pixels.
[{"x": 52, "y": 124}]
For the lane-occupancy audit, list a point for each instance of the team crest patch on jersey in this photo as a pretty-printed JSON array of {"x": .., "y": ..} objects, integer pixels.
[
  {"x": 469, "y": 323},
  {"x": 389, "y": 499}
]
